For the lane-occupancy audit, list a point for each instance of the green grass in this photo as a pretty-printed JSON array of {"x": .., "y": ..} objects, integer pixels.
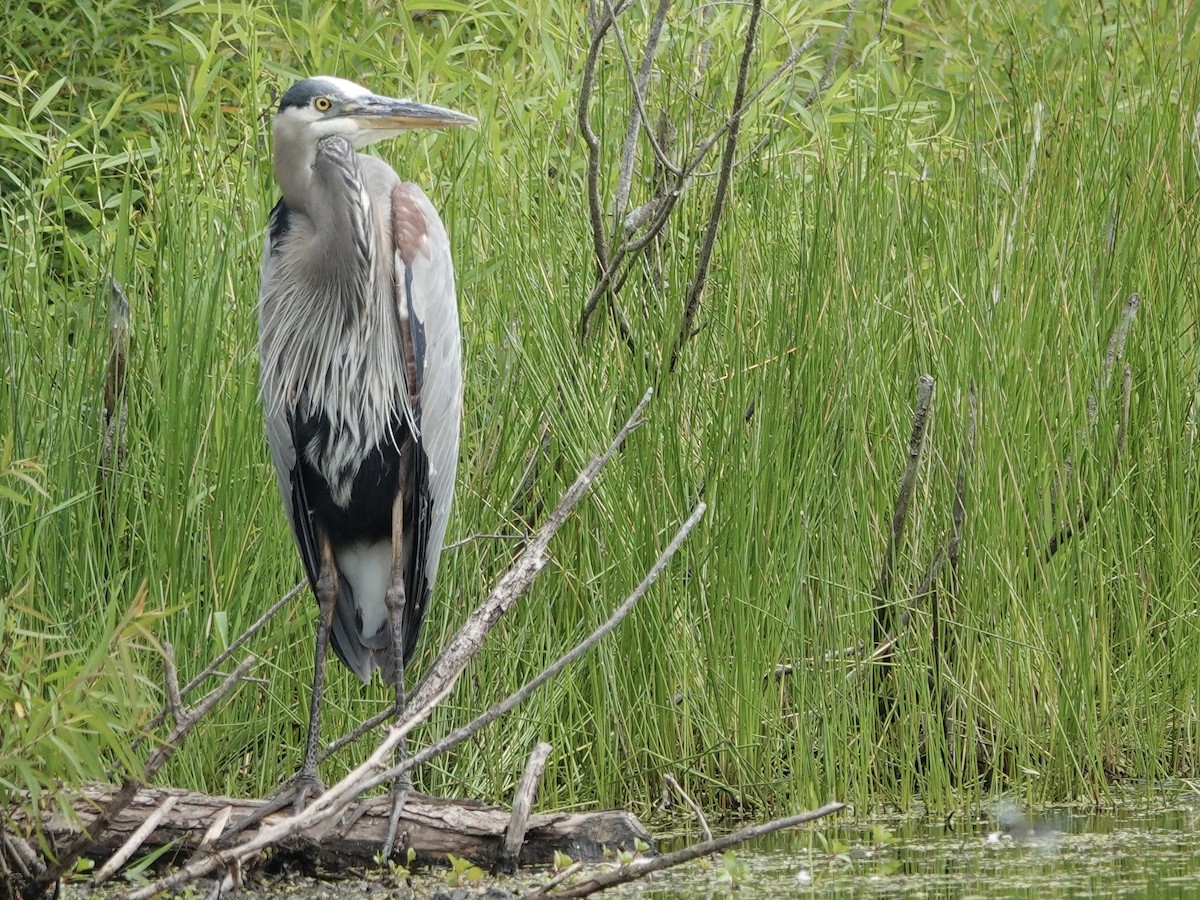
[{"x": 911, "y": 223}]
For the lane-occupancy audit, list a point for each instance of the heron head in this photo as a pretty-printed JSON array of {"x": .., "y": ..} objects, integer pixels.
[{"x": 323, "y": 106}]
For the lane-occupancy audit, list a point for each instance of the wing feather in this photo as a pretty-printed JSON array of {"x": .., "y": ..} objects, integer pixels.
[{"x": 427, "y": 310}]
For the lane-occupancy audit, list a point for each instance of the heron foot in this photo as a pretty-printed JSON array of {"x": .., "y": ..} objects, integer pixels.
[
  {"x": 401, "y": 785},
  {"x": 303, "y": 787}
]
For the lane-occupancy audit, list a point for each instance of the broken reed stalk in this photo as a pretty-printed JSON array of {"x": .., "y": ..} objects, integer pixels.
[
  {"x": 514, "y": 835},
  {"x": 884, "y": 624},
  {"x": 640, "y": 868},
  {"x": 1114, "y": 352}
]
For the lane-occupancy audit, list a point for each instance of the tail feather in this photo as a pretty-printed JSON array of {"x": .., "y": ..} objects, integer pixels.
[{"x": 360, "y": 634}]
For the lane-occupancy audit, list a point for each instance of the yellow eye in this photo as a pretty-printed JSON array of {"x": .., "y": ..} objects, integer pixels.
[{"x": 322, "y": 104}]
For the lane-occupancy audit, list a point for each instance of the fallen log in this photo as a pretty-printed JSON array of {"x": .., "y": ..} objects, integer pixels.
[{"x": 433, "y": 827}]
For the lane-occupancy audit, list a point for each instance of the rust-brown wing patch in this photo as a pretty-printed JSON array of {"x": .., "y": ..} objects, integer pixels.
[
  {"x": 410, "y": 236},
  {"x": 408, "y": 225}
]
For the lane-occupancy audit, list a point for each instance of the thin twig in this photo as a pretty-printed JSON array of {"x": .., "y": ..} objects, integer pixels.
[
  {"x": 640, "y": 868},
  {"x": 159, "y": 757},
  {"x": 705, "y": 832},
  {"x": 700, "y": 276},
  {"x": 514, "y": 835},
  {"x": 638, "y": 116},
  {"x": 213, "y": 666}
]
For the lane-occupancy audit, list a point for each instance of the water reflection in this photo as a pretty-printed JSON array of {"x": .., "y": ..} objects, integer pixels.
[{"x": 1130, "y": 851}]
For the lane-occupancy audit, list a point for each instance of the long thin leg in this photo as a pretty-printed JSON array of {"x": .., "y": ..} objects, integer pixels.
[
  {"x": 307, "y": 780},
  {"x": 396, "y": 602}
]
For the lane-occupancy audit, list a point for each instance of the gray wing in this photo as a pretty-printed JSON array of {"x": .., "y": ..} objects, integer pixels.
[
  {"x": 427, "y": 309},
  {"x": 279, "y": 436}
]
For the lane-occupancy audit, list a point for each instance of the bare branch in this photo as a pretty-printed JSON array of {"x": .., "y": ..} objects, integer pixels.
[
  {"x": 638, "y": 114},
  {"x": 705, "y": 831},
  {"x": 514, "y": 835},
  {"x": 692, "y": 303},
  {"x": 212, "y": 667},
  {"x": 640, "y": 868}
]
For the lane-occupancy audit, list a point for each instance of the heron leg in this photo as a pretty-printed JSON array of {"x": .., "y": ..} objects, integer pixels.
[
  {"x": 396, "y": 601},
  {"x": 307, "y": 781}
]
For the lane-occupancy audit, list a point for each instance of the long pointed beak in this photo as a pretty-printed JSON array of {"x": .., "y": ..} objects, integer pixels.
[{"x": 374, "y": 113}]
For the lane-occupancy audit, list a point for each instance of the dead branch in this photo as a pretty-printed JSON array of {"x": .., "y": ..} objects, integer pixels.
[
  {"x": 705, "y": 831},
  {"x": 883, "y": 589},
  {"x": 700, "y": 276},
  {"x": 638, "y": 117},
  {"x": 640, "y": 868},
  {"x": 225, "y": 655},
  {"x": 514, "y": 835},
  {"x": 617, "y": 253}
]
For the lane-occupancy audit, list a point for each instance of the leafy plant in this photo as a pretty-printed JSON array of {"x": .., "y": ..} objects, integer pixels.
[{"x": 462, "y": 871}]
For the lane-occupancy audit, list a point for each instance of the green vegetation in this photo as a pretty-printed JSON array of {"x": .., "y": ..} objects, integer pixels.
[{"x": 974, "y": 198}]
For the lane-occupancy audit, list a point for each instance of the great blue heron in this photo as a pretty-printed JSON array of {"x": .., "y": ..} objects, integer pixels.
[{"x": 361, "y": 378}]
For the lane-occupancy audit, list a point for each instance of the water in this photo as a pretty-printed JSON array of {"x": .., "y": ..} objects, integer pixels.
[
  {"x": 1134, "y": 850},
  {"x": 1126, "y": 852}
]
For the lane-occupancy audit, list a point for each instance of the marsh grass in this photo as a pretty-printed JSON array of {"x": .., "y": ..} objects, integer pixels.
[{"x": 974, "y": 201}]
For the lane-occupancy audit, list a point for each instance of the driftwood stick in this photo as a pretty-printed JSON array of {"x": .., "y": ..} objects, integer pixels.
[
  {"x": 135, "y": 841},
  {"x": 22, "y": 854},
  {"x": 705, "y": 832},
  {"x": 86, "y": 839},
  {"x": 241, "y": 639},
  {"x": 640, "y": 868},
  {"x": 514, "y": 835}
]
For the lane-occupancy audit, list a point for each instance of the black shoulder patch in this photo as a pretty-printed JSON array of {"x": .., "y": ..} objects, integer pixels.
[{"x": 279, "y": 223}]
